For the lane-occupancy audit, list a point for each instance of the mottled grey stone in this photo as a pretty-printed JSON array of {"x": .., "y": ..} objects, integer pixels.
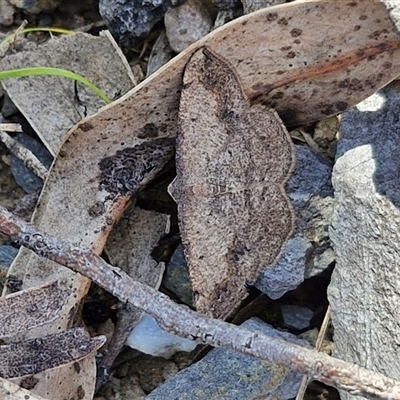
[
  {"x": 364, "y": 293},
  {"x": 36, "y": 6},
  {"x": 393, "y": 6},
  {"x": 297, "y": 317},
  {"x": 187, "y": 23},
  {"x": 228, "y": 375},
  {"x": 130, "y": 20},
  {"x": 288, "y": 273},
  {"x": 7, "y": 255},
  {"x": 160, "y": 54},
  {"x": 23, "y": 175},
  {"x": 250, "y": 6},
  {"x": 176, "y": 277}
]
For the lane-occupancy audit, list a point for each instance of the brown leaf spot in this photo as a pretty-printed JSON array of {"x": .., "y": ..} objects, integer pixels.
[
  {"x": 296, "y": 32},
  {"x": 86, "y": 126},
  {"x": 272, "y": 17},
  {"x": 29, "y": 382},
  {"x": 97, "y": 209},
  {"x": 148, "y": 131},
  {"x": 131, "y": 168}
]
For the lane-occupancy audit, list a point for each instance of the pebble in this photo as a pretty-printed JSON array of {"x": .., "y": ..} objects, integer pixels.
[
  {"x": 297, "y": 317},
  {"x": 7, "y": 255},
  {"x": 160, "y": 54},
  {"x": 36, "y": 6},
  {"x": 176, "y": 277},
  {"x": 250, "y": 6},
  {"x": 129, "y": 21},
  {"x": 229, "y": 375},
  {"x": 149, "y": 338},
  {"x": 6, "y": 13},
  {"x": 187, "y": 23}
]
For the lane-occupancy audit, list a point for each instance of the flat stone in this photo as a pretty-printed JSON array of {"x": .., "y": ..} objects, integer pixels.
[
  {"x": 364, "y": 289},
  {"x": 228, "y": 375}
]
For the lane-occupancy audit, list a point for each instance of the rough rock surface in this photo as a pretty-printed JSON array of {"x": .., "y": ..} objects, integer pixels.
[
  {"x": 187, "y": 24},
  {"x": 365, "y": 290},
  {"x": 228, "y": 375},
  {"x": 130, "y": 20}
]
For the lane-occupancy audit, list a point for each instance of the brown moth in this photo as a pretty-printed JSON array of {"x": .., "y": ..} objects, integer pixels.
[{"x": 233, "y": 160}]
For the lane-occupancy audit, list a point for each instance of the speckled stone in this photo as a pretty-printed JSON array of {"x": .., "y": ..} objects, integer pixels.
[{"x": 228, "y": 375}]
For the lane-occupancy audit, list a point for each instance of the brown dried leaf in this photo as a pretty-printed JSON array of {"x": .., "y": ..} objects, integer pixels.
[
  {"x": 11, "y": 391},
  {"x": 36, "y": 355},
  {"x": 58, "y": 109},
  {"x": 232, "y": 160},
  {"x": 30, "y": 308}
]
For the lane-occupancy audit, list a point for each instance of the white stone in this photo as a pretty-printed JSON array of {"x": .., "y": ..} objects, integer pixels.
[{"x": 149, "y": 338}]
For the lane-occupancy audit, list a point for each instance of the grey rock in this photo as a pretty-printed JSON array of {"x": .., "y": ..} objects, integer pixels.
[
  {"x": 250, "y": 6},
  {"x": 365, "y": 289},
  {"x": 176, "y": 277},
  {"x": 187, "y": 23},
  {"x": 297, "y": 317},
  {"x": 131, "y": 20},
  {"x": 6, "y": 13},
  {"x": 7, "y": 255},
  {"x": 9, "y": 108},
  {"x": 23, "y": 175},
  {"x": 228, "y": 375},
  {"x": 160, "y": 54},
  {"x": 393, "y": 6},
  {"x": 288, "y": 273},
  {"x": 309, "y": 251},
  {"x": 36, "y": 6},
  {"x": 225, "y": 5},
  {"x": 223, "y": 17}
]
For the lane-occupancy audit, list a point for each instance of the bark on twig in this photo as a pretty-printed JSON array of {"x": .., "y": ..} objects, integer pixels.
[{"x": 186, "y": 323}]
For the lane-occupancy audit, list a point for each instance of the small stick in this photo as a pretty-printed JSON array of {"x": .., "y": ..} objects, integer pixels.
[
  {"x": 318, "y": 345},
  {"x": 184, "y": 322},
  {"x": 25, "y": 155}
]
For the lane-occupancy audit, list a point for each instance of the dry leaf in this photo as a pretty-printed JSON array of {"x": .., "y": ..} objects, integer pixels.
[
  {"x": 58, "y": 110},
  {"x": 29, "y": 308},
  {"x": 32, "y": 356},
  {"x": 232, "y": 161},
  {"x": 281, "y": 57},
  {"x": 11, "y": 391}
]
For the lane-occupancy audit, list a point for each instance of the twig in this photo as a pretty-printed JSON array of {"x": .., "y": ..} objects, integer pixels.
[
  {"x": 187, "y": 323},
  {"x": 25, "y": 155},
  {"x": 318, "y": 345}
]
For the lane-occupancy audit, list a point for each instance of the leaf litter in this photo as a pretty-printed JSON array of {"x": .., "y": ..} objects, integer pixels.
[{"x": 119, "y": 132}]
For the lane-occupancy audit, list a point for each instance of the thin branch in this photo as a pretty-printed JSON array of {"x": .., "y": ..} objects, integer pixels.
[
  {"x": 25, "y": 155},
  {"x": 189, "y": 324}
]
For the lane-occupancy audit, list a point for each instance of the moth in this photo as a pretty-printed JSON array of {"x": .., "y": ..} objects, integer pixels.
[{"x": 233, "y": 160}]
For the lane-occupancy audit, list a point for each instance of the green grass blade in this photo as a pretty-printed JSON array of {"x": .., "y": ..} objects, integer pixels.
[
  {"x": 64, "y": 31},
  {"x": 26, "y": 72}
]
